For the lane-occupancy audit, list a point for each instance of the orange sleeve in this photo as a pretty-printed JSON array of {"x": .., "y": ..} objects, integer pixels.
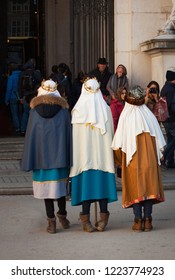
[{"x": 118, "y": 157}]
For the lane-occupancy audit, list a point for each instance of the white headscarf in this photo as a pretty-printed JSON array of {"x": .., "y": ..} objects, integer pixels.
[
  {"x": 48, "y": 87},
  {"x": 133, "y": 121},
  {"x": 91, "y": 108}
]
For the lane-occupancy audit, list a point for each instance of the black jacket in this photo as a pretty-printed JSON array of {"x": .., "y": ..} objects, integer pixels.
[
  {"x": 103, "y": 78},
  {"x": 168, "y": 91}
]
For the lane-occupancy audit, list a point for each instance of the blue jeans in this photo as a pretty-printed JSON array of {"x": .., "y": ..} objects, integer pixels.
[
  {"x": 14, "y": 107},
  {"x": 147, "y": 209},
  {"x": 169, "y": 151},
  {"x": 25, "y": 116},
  {"x": 170, "y": 148}
]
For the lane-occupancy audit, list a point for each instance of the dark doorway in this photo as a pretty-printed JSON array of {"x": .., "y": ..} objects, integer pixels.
[
  {"x": 23, "y": 36},
  {"x": 25, "y": 31},
  {"x": 92, "y": 36}
]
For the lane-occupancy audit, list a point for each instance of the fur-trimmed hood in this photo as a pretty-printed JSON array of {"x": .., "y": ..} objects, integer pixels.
[
  {"x": 47, "y": 106},
  {"x": 48, "y": 100}
]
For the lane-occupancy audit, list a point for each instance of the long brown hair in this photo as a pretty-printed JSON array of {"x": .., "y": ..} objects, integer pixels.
[
  {"x": 119, "y": 92},
  {"x": 123, "y": 68}
]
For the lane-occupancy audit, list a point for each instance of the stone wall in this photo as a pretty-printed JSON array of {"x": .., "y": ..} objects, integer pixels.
[{"x": 135, "y": 22}]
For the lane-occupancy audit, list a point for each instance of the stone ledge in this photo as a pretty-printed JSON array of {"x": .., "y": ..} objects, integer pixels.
[
  {"x": 159, "y": 43},
  {"x": 16, "y": 191}
]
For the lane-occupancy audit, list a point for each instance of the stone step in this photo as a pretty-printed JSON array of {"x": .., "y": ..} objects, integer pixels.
[
  {"x": 13, "y": 180},
  {"x": 11, "y": 148}
]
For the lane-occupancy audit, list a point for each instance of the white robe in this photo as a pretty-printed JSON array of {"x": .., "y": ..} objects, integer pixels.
[{"x": 91, "y": 149}]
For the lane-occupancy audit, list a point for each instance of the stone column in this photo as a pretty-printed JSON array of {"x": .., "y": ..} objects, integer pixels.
[
  {"x": 50, "y": 34},
  {"x": 57, "y": 30}
]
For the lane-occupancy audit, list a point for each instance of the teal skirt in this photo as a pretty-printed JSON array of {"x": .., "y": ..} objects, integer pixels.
[
  {"x": 93, "y": 185},
  {"x": 42, "y": 175}
]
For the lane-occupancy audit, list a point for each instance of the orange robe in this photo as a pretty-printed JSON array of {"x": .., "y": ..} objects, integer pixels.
[{"x": 141, "y": 179}]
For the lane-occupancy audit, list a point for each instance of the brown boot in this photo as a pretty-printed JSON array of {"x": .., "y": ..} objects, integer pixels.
[
  {"x": 63, "y": 221},
  {"x": 102, "y": 223},
  {"x": 137, "y": 226},
  {"x": 148, "y": 224},
  {"x": 87, "y": 226},
  {"x": 51, "y": 225}
]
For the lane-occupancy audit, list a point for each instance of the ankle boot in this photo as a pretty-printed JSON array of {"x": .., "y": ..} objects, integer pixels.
[
  {"x": 148, "y": 224},
  {"x": 63, "y": 221},
  {"x": 137, "y": 226},
  {"x": 51, "y": 225},
  {"x": 87, "y": 226},
  {"x": 102, "y": 223}
]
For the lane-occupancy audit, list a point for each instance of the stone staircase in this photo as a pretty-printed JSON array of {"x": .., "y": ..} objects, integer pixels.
[
  {"x": 12, "y": 179},
  {"x": 11, "y": 148}
]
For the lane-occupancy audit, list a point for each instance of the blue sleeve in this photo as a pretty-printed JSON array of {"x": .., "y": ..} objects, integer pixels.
[{"x": 8, "y": 90}]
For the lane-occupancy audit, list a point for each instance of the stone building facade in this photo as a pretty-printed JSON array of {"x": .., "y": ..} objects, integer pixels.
[
  {"x": 77, "y": 32},
  {"x": 135, "y": 22}
]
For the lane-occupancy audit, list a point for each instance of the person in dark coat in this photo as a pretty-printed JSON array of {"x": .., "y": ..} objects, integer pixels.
[
  {"x": 168, "y": 91},
  {"x": 102, "y": 74},
  {"x": 55, "y": 75},
  {"x": 26, "y": 94},
  {"x": 12, "y": 97},
  {"x": 48, "y": 151},
  {"x": 65, "y": 86},
  {"x": 77, "y": 86}
]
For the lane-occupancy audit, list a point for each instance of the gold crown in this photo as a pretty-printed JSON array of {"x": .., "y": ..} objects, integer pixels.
[
  {"x": 89, "y": 88},
  {"x": 48, "y": 87}
]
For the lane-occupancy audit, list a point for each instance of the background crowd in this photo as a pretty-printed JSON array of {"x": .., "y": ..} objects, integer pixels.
[
  {"x": 19, "y": 85},
  {"x": 99, "y": 105}
]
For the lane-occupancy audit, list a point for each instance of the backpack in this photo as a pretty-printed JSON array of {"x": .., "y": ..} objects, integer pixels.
[{"x": 28, "y": 82}]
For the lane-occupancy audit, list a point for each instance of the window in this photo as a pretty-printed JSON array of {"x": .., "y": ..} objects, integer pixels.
[
  {"x": 19, "y": 17},
  {"x": 26, "y": 28}
]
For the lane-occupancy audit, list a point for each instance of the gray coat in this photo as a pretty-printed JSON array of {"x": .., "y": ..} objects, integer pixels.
[{"x": 48, "y": 140}]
